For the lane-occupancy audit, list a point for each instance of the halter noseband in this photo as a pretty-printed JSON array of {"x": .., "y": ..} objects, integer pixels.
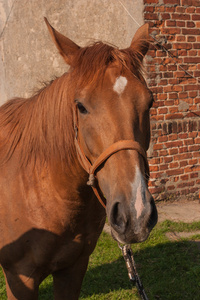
[{"x": 91, "y": 169}]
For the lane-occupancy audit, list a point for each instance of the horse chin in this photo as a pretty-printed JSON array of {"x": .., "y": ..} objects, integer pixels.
[{"x": 129, "y": 239}]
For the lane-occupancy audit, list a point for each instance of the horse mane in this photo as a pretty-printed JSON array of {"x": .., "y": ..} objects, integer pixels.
[{"x": 41, "y": 127}]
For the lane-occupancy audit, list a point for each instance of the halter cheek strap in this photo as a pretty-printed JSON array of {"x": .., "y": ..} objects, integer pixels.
[{"x": 91, "y": 169}]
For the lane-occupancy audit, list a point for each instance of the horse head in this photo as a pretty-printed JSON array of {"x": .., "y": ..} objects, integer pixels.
[{"x": 111, "y": 104}]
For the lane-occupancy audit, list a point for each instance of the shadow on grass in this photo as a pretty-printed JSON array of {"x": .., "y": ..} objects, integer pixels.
[{"x": 168, "y": 271}]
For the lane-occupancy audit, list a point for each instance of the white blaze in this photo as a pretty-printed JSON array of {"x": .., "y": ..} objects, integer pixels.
[
  {"x": 120, "y": 84},
  {"x": 138, "y": 188}
]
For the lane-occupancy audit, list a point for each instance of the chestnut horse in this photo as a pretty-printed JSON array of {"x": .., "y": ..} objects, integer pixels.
[{"x": 93, "y": 119}]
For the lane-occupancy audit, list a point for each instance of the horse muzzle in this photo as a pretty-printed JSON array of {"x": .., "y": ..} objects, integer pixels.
[{"x": 127, "y": 225}]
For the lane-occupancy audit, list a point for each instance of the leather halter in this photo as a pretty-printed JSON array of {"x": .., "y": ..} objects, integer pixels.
[{"x": 92, "y": 169}]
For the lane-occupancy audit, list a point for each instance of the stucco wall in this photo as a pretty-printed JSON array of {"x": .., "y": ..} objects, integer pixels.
[{"x": 27, "y": 54}]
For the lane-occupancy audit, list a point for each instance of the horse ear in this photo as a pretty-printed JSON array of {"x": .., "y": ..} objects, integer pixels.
[
  {"x": 140, "y": 41},
  {"x": 66, "y": 47}
]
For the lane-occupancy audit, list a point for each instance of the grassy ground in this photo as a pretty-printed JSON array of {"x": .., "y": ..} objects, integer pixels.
[{"x": 169, "y": 270}]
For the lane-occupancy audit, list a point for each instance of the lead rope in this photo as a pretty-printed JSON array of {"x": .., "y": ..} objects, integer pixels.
[{"x": 132, "y": 272}]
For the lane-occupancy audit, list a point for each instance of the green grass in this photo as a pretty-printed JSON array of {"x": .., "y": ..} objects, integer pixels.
[{"x": 168, "y": 270}]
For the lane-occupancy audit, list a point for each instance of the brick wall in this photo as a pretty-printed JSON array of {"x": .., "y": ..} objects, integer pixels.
[{"x": 175, "y": 117}]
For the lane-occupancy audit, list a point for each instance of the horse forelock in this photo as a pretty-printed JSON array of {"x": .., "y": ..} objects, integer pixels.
[
  {"x": 91, "y": 63},
  {"x": 41, "y": 127}
]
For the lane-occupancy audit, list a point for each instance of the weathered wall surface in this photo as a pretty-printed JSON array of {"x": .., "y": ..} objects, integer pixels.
[{"x": 27, "y": 54}]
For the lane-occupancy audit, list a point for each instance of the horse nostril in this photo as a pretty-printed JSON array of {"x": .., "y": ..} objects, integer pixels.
[{"x": 118, "y": 218}]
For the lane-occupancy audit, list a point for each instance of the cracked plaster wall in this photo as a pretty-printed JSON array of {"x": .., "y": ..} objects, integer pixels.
[{"x": 27, "y": 54}]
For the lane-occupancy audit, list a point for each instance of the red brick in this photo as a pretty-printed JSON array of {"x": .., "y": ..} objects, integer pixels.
[
  {"x": 182, "y": 135},
  {"x": 173, "y": 2},
  {"x": 171, "y": 30},
  {"x": 173, "y": 96},
  {"x": 165, "y": 16},
  {"x": 182, "y": 52},
  {"x": 193, "y": 94},
  {"x": 174, "y": 116},
  {"x": 163, "y": 110},
  {"x": 153, "y": 168},
  {"x": 196, "y": 46},
  {"x": 194, "y": 148},
  {"x": 190, "y": 10},
  {"x": 193, "y": 161},
  {"x": 170, "y": 9},
  {"x": 163, "y": 152},
  {"x": 192, "y": 134},
  {"x": 181, "y": 185},
  {"x": 163, "y": 167},
  {"x": 184, "y": 177},
  {"x": 172, "y": 67},
  {"x": 191, "y": 3},
  {"x": 149, "y": 8},
  {"x": 154, "y": 161},
  {"x": 195, "y": 17},
  {"x": 191, "y": 87},
  {"x": 171, "y": 23},
  {"x": 173, "y": 151},
  {"x": 183, "y": 95},
  {"x": 183, "y": 156},
  {"x": 161, "y": 96},
  {"x": 191, "y": 169},
  {"x": 168, "y": 159},
  {"x": 181, "y": 16},
  {"x": 192, "y": 53},
  {"x": 183, "y": 163},
  {"x": 188, "y": 142},
  {"x": 183, "y": 149},
  {"x": 174, "y": 144},
  {"x": 192, "y": 60},
  {"x": 192, "y": 125},
  {"x": 174, "y": 172},
  {"x": 191, "y": 31},
  {"x": 175, "y": 88},
  {"x": 163, "y": 68},
  {"x": 173, "y": 165},
  {"x": 173, "y": 137},
  {"x": 156, "y": 175},
  {"x": 180, "y": 23},
  {"x": 158, "y": 146},
  {"x": 190, "y": 24},
  {"x": 180, "y": 38},
  {"x": 197, "y": 140},
  {"x": 191, "y": 38},
  {"x": 194, "y": 175},
  {"x": 180, "y": 9},
  {"x": 182, "y": 46},
  {"x": 173, "y": 109},
  {"x": 150, "y": 16}
]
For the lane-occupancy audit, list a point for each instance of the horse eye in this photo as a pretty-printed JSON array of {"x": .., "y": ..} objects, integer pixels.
[{"x": 81, "y": 108}]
